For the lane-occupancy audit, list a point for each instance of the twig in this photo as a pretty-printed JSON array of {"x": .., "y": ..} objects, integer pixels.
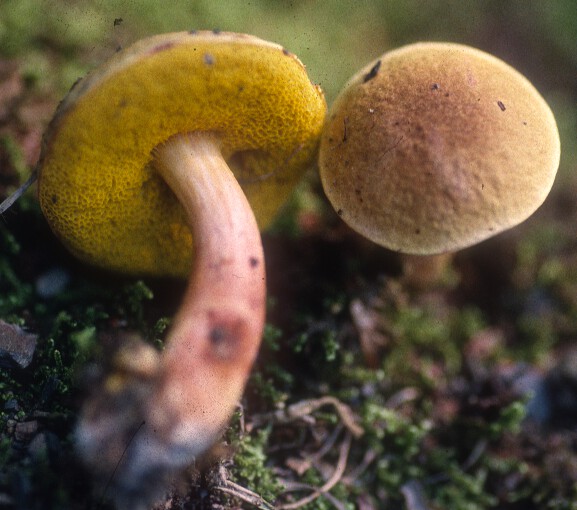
[
  {"x": 369, "y": 457},
  {"x": 111, "y": 478},
  {"x": 295, "y": 486},
  {"x": 240, "y": 492},
  {"x": 478, "y": 450},
  {"x": 328, "y": 445},
  {"x": 313, "y": 458},
  {"x": 7, "y": 203},
  {"x": 331, "y": 482},
  {"x": 305, "y": 408},
  {"x": 414, "y": 496}
]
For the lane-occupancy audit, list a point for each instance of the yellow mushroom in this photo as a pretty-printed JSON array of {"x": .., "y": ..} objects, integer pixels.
[
  {"x": 437, "y": 146},
  {"x": 99, "y": 187},
  {"x": 139, "y": 169}
]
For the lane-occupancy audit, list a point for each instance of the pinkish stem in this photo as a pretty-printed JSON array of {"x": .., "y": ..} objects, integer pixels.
[
  {"x": 154, "y": 414},
  {"x": 217, "y": 331}
]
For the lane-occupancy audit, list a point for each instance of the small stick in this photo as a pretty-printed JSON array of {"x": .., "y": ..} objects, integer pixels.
[
  {"x": 307, "y": 407},
  {"x": 331, "y": 482},
  {"x": 7, "y": 203},
  {"x": 240, "y": 492}
]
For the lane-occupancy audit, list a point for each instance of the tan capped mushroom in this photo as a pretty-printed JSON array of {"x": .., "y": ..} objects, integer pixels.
[
  {"x": 140, "y": 172},
  {"x": 434, "y": 147}
]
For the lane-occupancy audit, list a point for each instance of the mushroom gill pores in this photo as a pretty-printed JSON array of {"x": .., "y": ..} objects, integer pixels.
[{"x": 135, "y": 177}]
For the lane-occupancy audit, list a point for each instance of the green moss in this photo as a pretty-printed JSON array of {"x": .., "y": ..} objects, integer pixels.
[{"x": 250, "y": 465}]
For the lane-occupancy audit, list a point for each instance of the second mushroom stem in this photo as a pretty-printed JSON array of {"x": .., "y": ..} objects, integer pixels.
[{"x": 217, "y": 331}]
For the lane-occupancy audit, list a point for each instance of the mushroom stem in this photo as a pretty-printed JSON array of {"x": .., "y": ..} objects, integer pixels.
[
  {"x": 216, "y": 333},
  {"x": 156, "y": 414}
]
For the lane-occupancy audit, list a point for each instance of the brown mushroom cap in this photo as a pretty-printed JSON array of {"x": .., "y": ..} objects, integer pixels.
[{"x": 437, "y": 146}]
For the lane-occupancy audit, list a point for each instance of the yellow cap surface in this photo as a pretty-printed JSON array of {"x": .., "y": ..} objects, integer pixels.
[
  {"x": 437, "y": 146},
  {"x": 97, "y": 186}
]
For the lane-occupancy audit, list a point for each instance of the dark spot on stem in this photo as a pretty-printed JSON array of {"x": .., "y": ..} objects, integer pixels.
[
  {"x": 192, "y": 32},
  {"x": 226, "y": 334},
  {"x": 340, "y": 212},
  {"x": 117, "y": 21},
  {"x": 501, "y": 105},
  {"x": 417, "y": 231},
  {"x": 218, "y": 334},
  {"x": 345, "y": 134},
  {"x": 216, "y": 31},
  {"x": 435, "y": 86},
  {"x": 253, "y": 261},
  {"x": 54, "y": 199},
  {"x": 373, "y": 72}
]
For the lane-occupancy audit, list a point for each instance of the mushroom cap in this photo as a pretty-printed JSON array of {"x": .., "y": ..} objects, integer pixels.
[
  {"x": 97, "y": 185},
  {"x": 437, "y": 146}
]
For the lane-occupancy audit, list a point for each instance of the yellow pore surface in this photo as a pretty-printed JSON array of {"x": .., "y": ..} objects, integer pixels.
[{"x": 98, "y": 187}]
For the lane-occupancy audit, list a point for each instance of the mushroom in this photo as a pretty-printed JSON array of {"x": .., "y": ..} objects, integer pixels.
[
  {"x": 434, "y": 147},
  {"x": 140, "y": 172}
]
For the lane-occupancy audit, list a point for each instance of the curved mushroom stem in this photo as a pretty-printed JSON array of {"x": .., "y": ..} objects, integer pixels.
[
  {"x": 217, "y": 331},
  {"x": 155, "y": 414}
]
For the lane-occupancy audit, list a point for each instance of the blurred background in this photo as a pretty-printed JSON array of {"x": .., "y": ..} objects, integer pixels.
[{"x": 57, "y": 41}]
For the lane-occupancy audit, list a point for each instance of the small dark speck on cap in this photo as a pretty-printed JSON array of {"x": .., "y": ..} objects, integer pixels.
[
  {"x": 501, "y": 105},
  {"x": 340, "y": 212},
  {"x": 208, "y": 59},
  {"x": 286, "y": 52},
  {"x": 373, "y": 72},
  {"x": 435, "y": 86}
]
